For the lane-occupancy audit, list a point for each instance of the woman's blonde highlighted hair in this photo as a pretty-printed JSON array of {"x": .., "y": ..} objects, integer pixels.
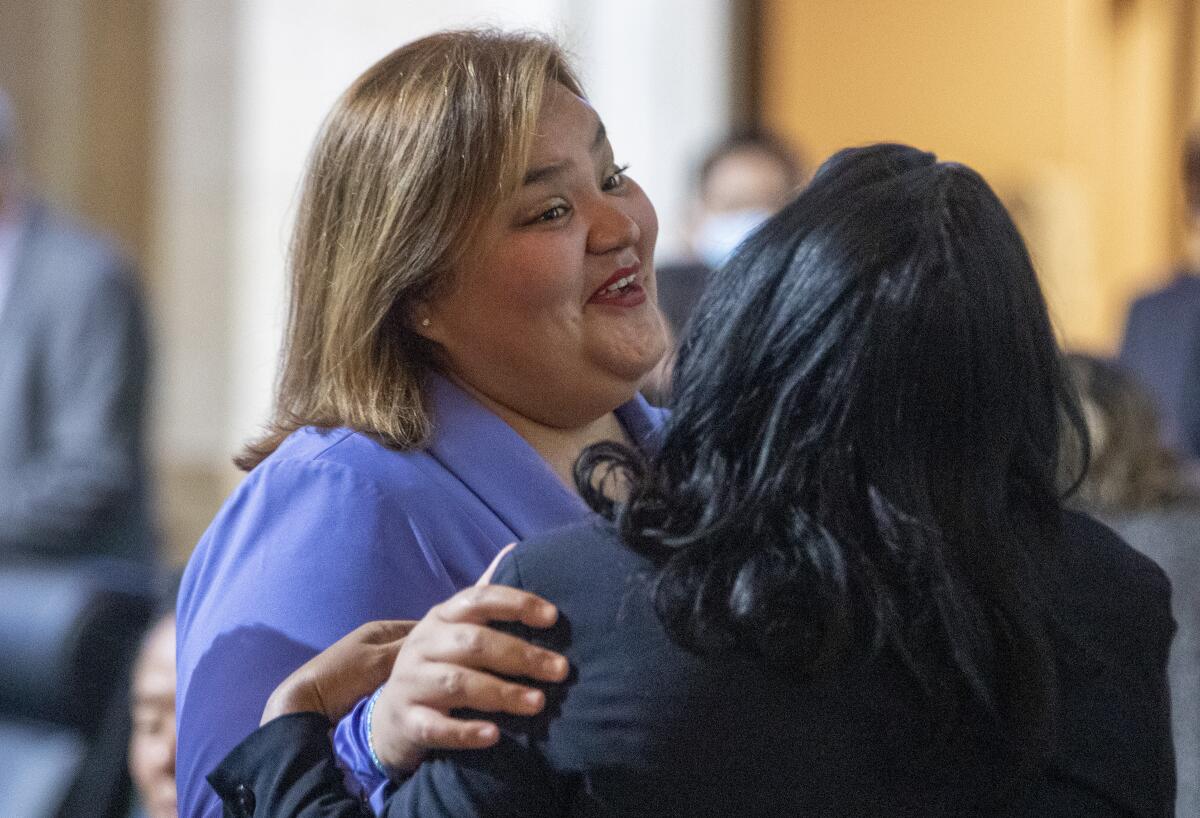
[{"x": 414, "y": 156}]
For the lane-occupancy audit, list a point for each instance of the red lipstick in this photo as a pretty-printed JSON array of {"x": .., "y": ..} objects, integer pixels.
[{"x": 622, "y": 289}]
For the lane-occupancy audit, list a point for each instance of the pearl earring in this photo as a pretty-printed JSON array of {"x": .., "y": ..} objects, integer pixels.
[{"x": 424, "y": 322}]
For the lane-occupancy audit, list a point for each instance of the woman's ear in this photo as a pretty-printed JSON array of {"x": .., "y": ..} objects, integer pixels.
[{"x": 421, "y": 322}]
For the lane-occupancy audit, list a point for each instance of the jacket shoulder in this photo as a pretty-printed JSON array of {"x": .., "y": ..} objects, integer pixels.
[
  {"x": 1108, "y": 594},
  {"x": 577, "y": 557},
  {"x": 1099, "y": 553}
]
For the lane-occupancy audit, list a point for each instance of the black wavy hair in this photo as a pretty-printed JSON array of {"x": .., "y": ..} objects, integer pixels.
[{"x": 864, "y": 444}]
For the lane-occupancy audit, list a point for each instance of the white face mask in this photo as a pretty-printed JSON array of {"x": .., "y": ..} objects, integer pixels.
[{"x": 719, "y": 234}]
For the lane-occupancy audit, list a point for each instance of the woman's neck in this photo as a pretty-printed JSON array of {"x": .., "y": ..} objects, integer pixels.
[{"x": 560, "y": 447}]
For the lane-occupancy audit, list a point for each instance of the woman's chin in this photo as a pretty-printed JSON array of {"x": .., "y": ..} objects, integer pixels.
[
  {"x": 632, "y": 363},
  {"x": 632, "y": 356}
]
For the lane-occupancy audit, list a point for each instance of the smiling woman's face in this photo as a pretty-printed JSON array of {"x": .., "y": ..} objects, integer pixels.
[{"x": 554, "y": 311}]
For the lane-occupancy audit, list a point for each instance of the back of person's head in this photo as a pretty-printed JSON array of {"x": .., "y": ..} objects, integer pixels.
[
  {"x": 1131, "y": 469},
  {"x": 410, "y": 161},
  {"x": 864, "y": 444}
]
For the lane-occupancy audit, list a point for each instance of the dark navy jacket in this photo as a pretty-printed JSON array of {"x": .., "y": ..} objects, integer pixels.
[
  {"x": 1161, "y": 348},
  {"x": 642, "y": 727}
]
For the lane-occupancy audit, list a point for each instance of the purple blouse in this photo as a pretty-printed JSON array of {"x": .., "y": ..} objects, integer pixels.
[{"x": 334, "y": 530}]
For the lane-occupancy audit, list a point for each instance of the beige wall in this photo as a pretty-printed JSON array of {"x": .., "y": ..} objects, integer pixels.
[{"x": 1074, "y": 110}]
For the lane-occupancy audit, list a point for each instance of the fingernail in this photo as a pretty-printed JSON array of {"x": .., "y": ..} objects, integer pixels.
[
  {"x": 549, "y": 612},
  {"x": 533, "y": 698},
  {"x": 556, "y": 665},
  {"x": 486, "y": 732}
]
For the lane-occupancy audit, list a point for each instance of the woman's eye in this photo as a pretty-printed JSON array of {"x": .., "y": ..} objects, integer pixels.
[
  {"x": 615, "y": 179},
  {"x": 553, "y": 214}
]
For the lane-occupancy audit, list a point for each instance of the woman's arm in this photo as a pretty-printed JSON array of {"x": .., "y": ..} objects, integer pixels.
[
  {"x": 334, "y": 680},
  {"x": 353, "y": 667},
  {"x": 446, "y": 661},
  {"x": 287, "y": 769}
]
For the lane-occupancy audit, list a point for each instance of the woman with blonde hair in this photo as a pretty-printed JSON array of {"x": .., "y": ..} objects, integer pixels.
[{"x": 472, "y": 304}]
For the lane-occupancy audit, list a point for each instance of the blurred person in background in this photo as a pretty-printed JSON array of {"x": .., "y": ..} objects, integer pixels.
[
  {"x": 1136, "y": 483},
  {"x": 73, "y": 378},
  {"x": 152, "y": 740},
  {"x": 742, "y": 181},
  {"x": 1161, "y": 344}
]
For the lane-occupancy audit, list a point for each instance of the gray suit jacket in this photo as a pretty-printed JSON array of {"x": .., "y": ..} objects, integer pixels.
[
  {"x": 1172, "y": 539},
  {"x": 73, "y": 376}
]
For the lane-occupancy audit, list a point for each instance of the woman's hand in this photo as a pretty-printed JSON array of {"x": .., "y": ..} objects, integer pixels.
[
  {"x": 347, "y": 671},
  {"x": 448, "y": 661}
]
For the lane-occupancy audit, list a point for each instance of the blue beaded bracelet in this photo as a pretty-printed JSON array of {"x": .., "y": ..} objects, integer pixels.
[{"x": 370, "y": 737}]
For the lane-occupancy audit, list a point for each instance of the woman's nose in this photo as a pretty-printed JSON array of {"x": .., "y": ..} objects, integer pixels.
[{"x": 612, "y": 228}]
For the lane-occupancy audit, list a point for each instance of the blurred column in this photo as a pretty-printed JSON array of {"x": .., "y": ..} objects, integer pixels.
[
  {"x": 1128, "y": 69},
  {"x": 192, "y": 260}
]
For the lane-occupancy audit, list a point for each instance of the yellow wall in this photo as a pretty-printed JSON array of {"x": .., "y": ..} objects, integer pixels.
[{"x": 1073, "y": 109}]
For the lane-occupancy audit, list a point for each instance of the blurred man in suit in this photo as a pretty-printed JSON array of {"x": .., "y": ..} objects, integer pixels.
[
  {"x": 73, "y": 376},
  {"x": 1161, "y": 347}
]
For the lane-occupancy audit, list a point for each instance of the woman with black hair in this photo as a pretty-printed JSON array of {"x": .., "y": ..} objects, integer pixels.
[{"x": 845, "y": 584}]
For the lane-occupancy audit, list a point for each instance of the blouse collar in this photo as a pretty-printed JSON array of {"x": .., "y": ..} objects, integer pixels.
[{"x": 502, "y": 469}]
